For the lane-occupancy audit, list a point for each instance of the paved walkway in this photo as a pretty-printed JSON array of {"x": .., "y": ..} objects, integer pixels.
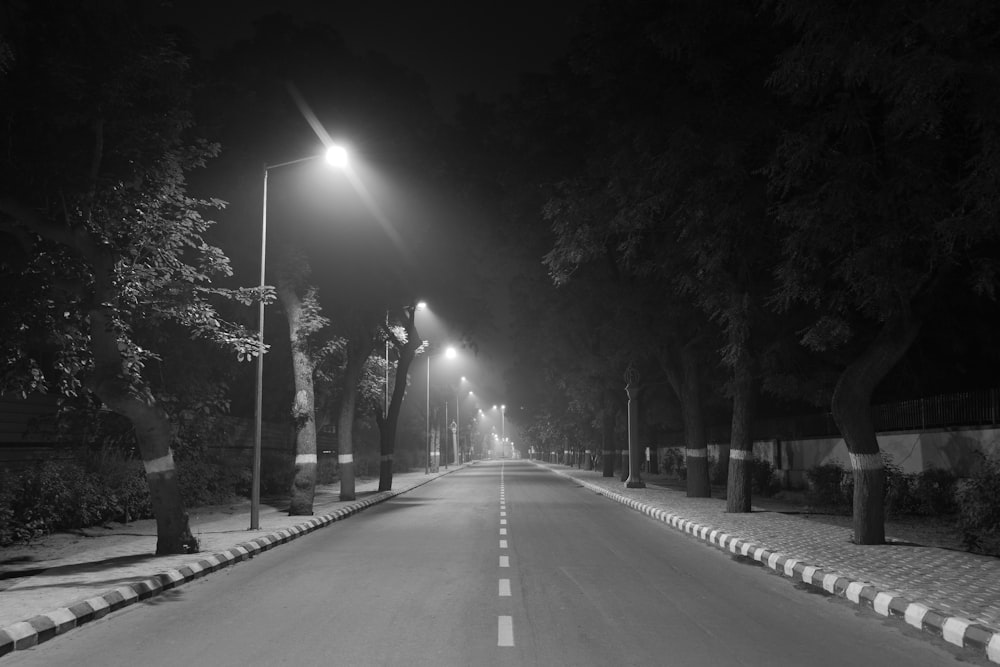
[{"x": 953, "y": 594}]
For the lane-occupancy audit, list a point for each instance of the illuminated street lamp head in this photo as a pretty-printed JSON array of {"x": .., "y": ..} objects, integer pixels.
[
  {"x": 336, "y": 156},
  {"x": 451, "y": 353},
  {"x": 421, "y": 305}
]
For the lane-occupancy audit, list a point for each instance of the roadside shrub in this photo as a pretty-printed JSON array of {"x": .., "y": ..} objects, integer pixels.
[
  {"x": 979, "y": 507},
  {"x": 937, "y": 491},
  {"x": 829, "y": 487},
  {"x": 763, "y": 480},
  {"x": 897, "y": 492},
  {"x": 673, "y": 463},
  {"x": 205, "y": 478},
  {"x": 58, "y": 495},
  {"x": 717, "y": 472},
  {"x": 927, "y": 493}
]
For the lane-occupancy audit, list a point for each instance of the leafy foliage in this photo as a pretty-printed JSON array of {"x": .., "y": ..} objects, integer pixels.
[
  {"x": 100, "y": 209},
  {"x": 979, "y": 501},
  {"x": 829, "y": 487},
  {"x": 763, "y": 479},
  {"x": 70, "y": 494}
]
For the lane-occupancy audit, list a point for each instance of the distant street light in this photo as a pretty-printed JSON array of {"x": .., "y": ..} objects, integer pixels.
[
  {"x": 335, "y": 156},
  {"x": 503, "y": 431},
  {"x": 449, "y": 353}
]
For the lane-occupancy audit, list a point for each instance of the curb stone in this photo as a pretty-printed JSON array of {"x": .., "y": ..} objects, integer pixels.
[
  {"x": 955, "y": 630},
  {"x": 33, "y": 631}
]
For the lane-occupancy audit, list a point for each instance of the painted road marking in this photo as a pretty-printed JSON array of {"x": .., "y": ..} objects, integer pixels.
[
  {"x": 504, "y": 561},
  {"x": 505, "y": 588},
  {"x": 503, "y": 544},
  {"x": 505, "y": 631}
]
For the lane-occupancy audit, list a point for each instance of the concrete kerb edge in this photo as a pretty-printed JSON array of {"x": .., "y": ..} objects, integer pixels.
[
  {"x": 38, "y": 629},
  {"x": 953, "y": 629}
]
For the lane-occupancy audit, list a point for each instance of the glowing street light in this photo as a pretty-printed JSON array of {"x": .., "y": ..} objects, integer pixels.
[
  {"x": 335, "y": 156},
  {"x": 449, "y": 353}
]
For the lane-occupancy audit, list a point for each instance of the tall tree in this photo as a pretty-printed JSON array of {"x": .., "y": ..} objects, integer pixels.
[
  {"x": 885, "y": 188},
  {"x": 303, "y": 313},
  {"x": 681, "y": 125},
  {"x": 93, "y": 178},
  {"x": 361, "y": 337},
  {"x": 405, "y": 342}
]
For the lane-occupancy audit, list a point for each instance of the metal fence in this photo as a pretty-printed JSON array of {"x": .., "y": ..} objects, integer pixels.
[{"x": 968, "y": 408}]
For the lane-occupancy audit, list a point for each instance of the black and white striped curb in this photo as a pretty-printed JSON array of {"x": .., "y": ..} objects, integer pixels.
[
  {"x": 953, "y": 629},
  {"x": 41, "y": 628}
]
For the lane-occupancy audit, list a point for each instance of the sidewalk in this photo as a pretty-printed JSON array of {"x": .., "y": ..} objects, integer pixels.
[
  {"x": 954, "y": 594},
  {"x": 65, "y": 580}
]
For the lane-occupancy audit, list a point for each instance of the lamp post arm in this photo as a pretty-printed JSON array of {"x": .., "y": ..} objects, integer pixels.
[{"x": 269, "y": 167}]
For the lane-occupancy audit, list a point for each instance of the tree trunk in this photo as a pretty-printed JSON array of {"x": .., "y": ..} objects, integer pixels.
[
  {"x": 359, "y": 346},
  {"x": 851, "y": 408},
  {"x": 739, "y": 484},
  {"x": 345, "y": 441},
  {"x": 684, "y": 377},
  {"x": 388, "y": 426},
  {"x": 153, "y": 431},
  {"x": 303, "y": 406}
]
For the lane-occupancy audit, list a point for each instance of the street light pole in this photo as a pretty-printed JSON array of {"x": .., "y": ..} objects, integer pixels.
[
  {"x": 385, "y": 402},
  {"x": 503, "y": 431},
  {"x": 634, "y": 480},
  {"x": 451, "y": 354},
  {"x": 427, "y": 417},
  {"x": 336, "y": 156}
]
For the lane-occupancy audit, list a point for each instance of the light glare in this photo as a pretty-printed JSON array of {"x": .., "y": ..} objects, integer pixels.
[{"x": 337, "y": 156}]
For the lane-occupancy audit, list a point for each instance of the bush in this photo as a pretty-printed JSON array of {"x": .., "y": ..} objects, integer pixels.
[
  {"x": 830, "y": 487},
  {"x": 763, "y": 481},
  {"x": 59, "y": 495},
  {"x": 979, "y": 507},
  {"x": 673, "y": 463},
  {"x": 206, "y": 479},
  {"x": 937, "y": 491},
  {"x": 897, "y": 491},
  {"x": 717, "y": 472},
  {"x": 927, "y": 493}
]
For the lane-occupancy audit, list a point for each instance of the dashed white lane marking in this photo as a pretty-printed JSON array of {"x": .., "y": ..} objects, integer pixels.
[
  {"x": 505, "y": 624},
  {"x": 505, "y": 631}
]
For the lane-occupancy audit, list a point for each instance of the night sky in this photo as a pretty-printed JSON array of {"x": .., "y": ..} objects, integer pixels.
[{"x": 457, "y": 46}]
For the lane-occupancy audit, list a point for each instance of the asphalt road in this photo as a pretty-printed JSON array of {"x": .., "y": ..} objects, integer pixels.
[{"x": 500, "y": 563}]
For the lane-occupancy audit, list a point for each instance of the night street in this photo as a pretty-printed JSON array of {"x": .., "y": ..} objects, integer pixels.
[{"x": 501, "y": 563}]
